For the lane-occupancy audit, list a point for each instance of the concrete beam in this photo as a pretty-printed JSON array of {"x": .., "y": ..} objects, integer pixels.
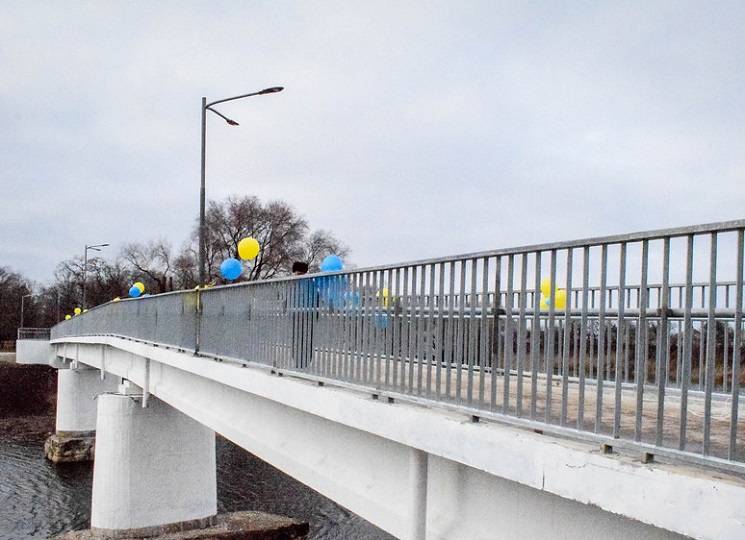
[{"x": 33, "y": 351}]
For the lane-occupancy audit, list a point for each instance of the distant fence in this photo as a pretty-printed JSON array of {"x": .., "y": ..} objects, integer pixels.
[
  {"x": 645, "y": 354},
  {"x": 34, "y": 333}
]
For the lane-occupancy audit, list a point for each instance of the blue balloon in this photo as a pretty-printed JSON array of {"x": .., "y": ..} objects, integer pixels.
[
  {"x": 381, "y": 320},
  {"x": 134, "y": 292},
  {"x": 230, "y": 269},
  {"x": 331, "y": 263}
]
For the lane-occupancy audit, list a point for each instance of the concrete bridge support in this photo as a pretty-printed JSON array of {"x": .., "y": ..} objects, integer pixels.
[
  {"x": 154, "y": 470},
  {"x": 77, "y": 390}
]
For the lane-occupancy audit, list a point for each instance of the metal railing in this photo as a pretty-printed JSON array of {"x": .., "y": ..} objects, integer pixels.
[
  {"x": 659, "y": 372},
  {"x": 33, "y": 333}
]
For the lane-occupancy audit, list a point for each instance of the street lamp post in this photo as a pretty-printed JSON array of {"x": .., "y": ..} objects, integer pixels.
[
  {"x": 202, "y": 231},
  {"x": 95, "y": 247},
  {"x": 23, "y": 298}
]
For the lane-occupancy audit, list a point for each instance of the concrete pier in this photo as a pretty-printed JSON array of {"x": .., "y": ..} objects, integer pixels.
[
  {"x": 154, "y": 471},
  {"x": 77, "y": 390}
]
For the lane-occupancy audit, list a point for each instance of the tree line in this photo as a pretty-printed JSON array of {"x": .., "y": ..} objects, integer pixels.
[{"x": 284, "y": 235}]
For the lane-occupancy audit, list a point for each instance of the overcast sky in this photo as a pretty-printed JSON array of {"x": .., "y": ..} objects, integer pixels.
[{"x": 409, "y": 129}]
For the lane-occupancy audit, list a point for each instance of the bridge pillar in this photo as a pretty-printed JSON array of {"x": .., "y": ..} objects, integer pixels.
[
  {"x": 154, "y": 471},
  {"x": 418, "y": 473},
  {"x": 75, "y": 430}
]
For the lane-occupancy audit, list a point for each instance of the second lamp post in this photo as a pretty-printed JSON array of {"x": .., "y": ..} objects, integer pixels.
[{"x": 208, "y": 107}]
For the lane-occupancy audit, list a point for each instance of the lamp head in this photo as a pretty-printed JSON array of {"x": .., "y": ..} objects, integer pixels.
[{"x": 272, "y": 90}]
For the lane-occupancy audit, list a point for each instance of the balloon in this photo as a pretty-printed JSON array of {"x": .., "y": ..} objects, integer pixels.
[
  {"x": 85, "y": 311},
  {"x": 77, "y": 311},
  {"x": 231, "y": 268},
  {"x": 68, "y": 317},
  {"x": 248, "y": 248},
  {"x": 331, "y": 263},
  {"x": 140, "y": 286},
  {"x": 381, "y": 321},
  {"x": 383, "y": 296},
  {"x": 560, "y": 299},
  {"x": 116, "y": 299},
  {"x": 134, "y": 292},
  {"x": 546, "y": 287}
]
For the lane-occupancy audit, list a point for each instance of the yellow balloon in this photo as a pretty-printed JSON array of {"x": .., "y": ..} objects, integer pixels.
[
  {"x": 544, "y": 303},
  {"x": 546, "y": 287},
  {"x": 560, "y": 299},
  {"x": 248, "y": 248},
  {"x": 77, "y": 311},
  {"x": 140, "y": 286},
  {"x": 68, "y": 317},
  {"x": 383, "y": 296}
]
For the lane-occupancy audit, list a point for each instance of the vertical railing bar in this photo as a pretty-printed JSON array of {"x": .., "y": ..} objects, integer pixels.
[
  {"x": 405, "y": 328},
  {"x": 535, "y": 342},
  {"x": 521, "y": 335},
  {"x": 567, "y": 339},
  {"x": 361, "y": 342},
  {"x": 366, "y": 350},
  {"x": 388, "y": 350},
  {"x": 374, "y": 298},
  {"x": 494, "y": 347},
  {"x": 583, "y": 337},
  {"x": 619, "y": 342},
  {"x": 664, "y": 355},
  {"x": 440, "y": 349},
  {"x": 711, "y": 342},
  {"x": 413, "y": 326},
  {"x": 641, "y": 343},
  {"x": 688, "y": 346},
  {"x": 431, "y": 340},
  {"x": 484, "y": 329},
  {"x": 601, "y": 339},
  {"x": 736, "y": 345},
  {"x": 472, "y": 351},
  {"x": 459, "y": 348},
  {"x": 508, "y": 334},
  {"x": 422, "y": 345},
  {"x": 396, "y": 327},
  {"x": 550, "y": 337},
  {"x": 450, "y": 337}
]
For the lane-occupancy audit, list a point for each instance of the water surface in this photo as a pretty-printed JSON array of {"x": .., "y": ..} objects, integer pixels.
[{"x": 39, "y": 499}]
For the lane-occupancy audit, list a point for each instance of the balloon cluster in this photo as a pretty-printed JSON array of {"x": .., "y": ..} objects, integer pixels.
[
  {"x": 248, "y": 250},
  {"x": 559, "y": 296},
  {"x": 137, "y": 289},
  {"x": 331, "y": 263}
]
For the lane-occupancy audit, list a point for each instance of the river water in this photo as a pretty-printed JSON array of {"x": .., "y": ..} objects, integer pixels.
[{"x": 38, "y": 499}]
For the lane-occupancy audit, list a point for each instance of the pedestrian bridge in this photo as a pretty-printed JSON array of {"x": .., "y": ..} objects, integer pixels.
[{"x": 573, "y": 389}]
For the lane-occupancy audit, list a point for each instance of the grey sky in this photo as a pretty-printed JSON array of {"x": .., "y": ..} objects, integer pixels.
[{"x": 409, "y": 129}]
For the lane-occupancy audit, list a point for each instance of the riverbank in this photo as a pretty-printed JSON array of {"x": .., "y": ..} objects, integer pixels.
[{"x": 28, "y": 400}]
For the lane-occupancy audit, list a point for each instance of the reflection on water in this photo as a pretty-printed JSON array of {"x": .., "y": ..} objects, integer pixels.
[{"x": 38, "y": 499}]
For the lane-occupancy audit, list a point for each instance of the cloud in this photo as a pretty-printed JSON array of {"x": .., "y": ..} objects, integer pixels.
[{"x": 409, "y": 129}]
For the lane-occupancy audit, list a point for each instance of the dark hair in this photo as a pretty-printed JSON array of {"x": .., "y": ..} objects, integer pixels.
[{"x": 299, "y": 266}]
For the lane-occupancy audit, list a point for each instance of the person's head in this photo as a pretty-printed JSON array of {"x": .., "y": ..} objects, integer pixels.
[{"x": 299, "y": 268}]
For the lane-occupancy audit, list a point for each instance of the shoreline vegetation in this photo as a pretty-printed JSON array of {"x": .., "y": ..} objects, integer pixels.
[{"x": 28, "y": 399}]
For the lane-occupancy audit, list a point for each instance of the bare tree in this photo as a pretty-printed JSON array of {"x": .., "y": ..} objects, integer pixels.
[
  {"x": 283, "y": 234},
  {"x": 12, "y": 287},
  {"x": 320, "y": 244},
  {"x": 150, "y": 262}
]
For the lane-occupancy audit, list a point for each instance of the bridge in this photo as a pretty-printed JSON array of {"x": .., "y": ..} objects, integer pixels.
[{"x": 444, "y": 398}]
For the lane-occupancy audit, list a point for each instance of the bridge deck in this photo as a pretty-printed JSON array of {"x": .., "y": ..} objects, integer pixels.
[{"x": 488, "y": 393}]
